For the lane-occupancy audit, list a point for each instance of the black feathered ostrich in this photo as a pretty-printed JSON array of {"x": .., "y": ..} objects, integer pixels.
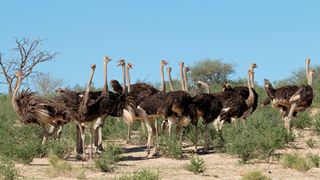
[
  {"x": 233, "y": 105},
  {"x": 34, "y": 109},
  {"x": 292, "y": 99},
  {"x": 244, "y": 92},
  {"x": 89, "y": 106}
]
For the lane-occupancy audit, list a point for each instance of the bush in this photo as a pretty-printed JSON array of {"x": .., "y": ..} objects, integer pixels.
[
  {"x": 311, "y": 143},
  {"x": 59, "y": 167},
  {"x": 255, "y": 175},
  {"x": 197, "y": 165},
  {"x": 317, "y": 124},
  {"x": 262, "y": 134},
  {"x": 7, "y": 169},
  {"x": 169, "y": 146},
  {"x": 114, "y": 129},
  {"x": 144, "y": 174},
  {"x": 60, "y": 148},
  {"x": 314, "y": 160},
  {"x": 106, "y": 162},
  {"x": 302, "y": 121},
  {"x": 296, "y": 162}
]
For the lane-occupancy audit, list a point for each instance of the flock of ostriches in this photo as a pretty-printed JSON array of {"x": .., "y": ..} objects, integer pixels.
[{"x": 141, "y": 101}]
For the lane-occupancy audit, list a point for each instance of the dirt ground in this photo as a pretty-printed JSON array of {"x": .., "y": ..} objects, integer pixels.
[{"x": 218, "y": 165}]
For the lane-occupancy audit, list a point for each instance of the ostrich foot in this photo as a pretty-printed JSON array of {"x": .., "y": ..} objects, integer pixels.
[
  {"x": 156, "y": 154},
  {"x": 82, "y": 157}
]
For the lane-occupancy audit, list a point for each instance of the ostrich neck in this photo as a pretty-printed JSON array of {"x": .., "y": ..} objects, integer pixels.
[
  {"x": 105, "y": 90},
  {"x": 251, "y": 95},
  {"x": 252, "y": 81},
  {"x": 170, "y": 80},
  {"x": 310, "y": 79},
  {"x": 185, "y": 79},
  {"x": 86, "y": 96},
  {"x": 124, "y": 78},
  {"x": 308, "y": 72},
  {"x": 14, "y": 102},
  {"x": 182, "y": 78},
  {"x": 163, "y": 85},
  {"x": 128, "y": 79}
]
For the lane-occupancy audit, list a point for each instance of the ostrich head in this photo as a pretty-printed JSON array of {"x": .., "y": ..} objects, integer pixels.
[
  {"x": 93, "y": 66},
  {"x": 107, "y": 59},
  {"x": 130, "y": 66},
  {"x": 267, "y": 84},
  {"x": 253, "y": 66},
  {"x": 188, "y": 69},
  {"x": 18, "y": 74},
  {"x": 169, "y": 69},
  {"x": 121, "y": 62},
  {"x": 163, "y": 62},
  {"x": 226, "y": 86},
  {"x": 181, "y": 63}
]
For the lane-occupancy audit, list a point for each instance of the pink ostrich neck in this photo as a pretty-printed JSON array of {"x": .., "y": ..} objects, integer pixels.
[
  {"x": 105, "y": 90},
  {"x": 17, "y": 87},
  {"x": 128, "y": 77},
  {"x": 169, "y": 77},
  {"x": 181, "y": 76},
  {"x": 163, "y": 84}
]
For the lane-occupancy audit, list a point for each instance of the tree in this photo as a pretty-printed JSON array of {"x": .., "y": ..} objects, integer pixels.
[
  {"x": 211, "y": 71},
  {"x": 45, "y": 84},
  {"x": 26, "y": 57}
]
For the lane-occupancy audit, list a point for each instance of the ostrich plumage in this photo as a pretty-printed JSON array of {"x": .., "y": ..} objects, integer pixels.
[{"x": 32, "y": 108}]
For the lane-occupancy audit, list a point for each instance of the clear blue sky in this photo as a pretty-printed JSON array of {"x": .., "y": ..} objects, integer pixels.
[{"x": 277, "y": 35}]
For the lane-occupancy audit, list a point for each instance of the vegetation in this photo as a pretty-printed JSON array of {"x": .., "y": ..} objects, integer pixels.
[
  {"x": 212, "y": 71},
  {"x": 106, "y": 162},
  {"x": 303, "y": 164},
  {"x": 197, "y": 165},
  {"x": 311, "y": 143},
  {"x": 7, "y": 169},
  {"x": 143, "y": 174},
  {"x": 169, "y": 146},
  {"x": 255, "y": 175},
  {"x": 302, "y": 121},
  {"x": 261, "y": 135}
]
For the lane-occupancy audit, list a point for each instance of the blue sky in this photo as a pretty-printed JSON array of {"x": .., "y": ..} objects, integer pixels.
[{"x": 277, "y": 35}]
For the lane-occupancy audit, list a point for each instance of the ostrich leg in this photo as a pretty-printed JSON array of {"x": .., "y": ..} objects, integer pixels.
[
  {"x": 289, "y": 117},
  {"x": 196, "y": 141},
  {"x": 44, "y": 134},
  {"x": 98, "y": 125},
  {"x": 80, "y": 128},
  {"x": 206, "y": 139}
]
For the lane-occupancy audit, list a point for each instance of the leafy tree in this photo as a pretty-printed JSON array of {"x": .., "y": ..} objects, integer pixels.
[{"x": 211, "y": 71}]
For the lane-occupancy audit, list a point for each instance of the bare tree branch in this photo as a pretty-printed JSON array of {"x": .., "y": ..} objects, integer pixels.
[{"x": 28, "y": 57}]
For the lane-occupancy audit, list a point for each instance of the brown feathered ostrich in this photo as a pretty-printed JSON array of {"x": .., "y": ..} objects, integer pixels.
[
  {"x": 88, "y": 106},
  {"x": 233, "y": 105},
  {"x": 244, "y": 92},
  {"x": 292, "y": 99},
  {"x": 34, "y": 109}
]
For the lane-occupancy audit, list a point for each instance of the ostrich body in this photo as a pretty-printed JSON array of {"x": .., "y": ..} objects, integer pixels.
[
  {"x": 34, "y": 109},
  {"x": 295, "y": 99},
  {"x": 233, "y": 105},
  {"x": 244, "y": 92},
  {"x": 97, "y": 106}
]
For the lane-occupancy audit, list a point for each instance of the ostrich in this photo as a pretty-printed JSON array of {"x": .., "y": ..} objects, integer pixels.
[
  {"x": 233, "y": 105},
  {"x": 292, "y": 99},
  {"x": 93, "y": 105},
  {"x": 244, "y": 92},
  {"x": 34, "y": 109}
]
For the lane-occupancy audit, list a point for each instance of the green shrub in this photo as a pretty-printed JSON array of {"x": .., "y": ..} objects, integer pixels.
[
  {"x": 255, "y": 175},
  {"x": 106, "y": 162},
  {"x": 60, "y": 148},
  {"x": 59, "y": 167},
  {"x": 311, "y": 143},
  {"x": 114, "y": 129},
  {"x": 302, "y": 121},
  {"x": 197, "y": 165},
  {"x": 169, "y": 146},
  {"x": 261, "y": 135},
  {"x": 7, "y": 169},
  {"x": 317, "y": 124},
  {"x": 144, "y": 174},
  {"x": 313, "y": 159},
  {"x": 296, "y": 162}
]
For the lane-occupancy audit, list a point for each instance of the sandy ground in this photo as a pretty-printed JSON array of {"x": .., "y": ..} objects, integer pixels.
[{"x": 218, "y": 165}]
